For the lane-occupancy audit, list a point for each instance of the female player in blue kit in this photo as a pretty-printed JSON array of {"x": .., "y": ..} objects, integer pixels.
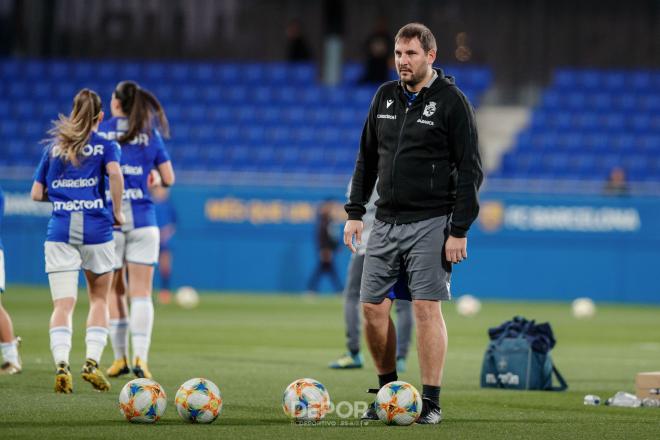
[
  {"x": 72, "y": 176},
  {"x": 137, "y": 123}
]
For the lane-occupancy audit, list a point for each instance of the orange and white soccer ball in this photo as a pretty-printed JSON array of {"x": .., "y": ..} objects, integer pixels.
[
  {"x": 198, "y": 401},
  {"x": 142, "y": 401},
  {"x": 306, "y": 400},
  {"x": 398, "y": 403}
]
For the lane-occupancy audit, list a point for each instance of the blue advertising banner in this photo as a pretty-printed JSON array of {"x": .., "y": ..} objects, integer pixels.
[{"x": 263, "y": 239}]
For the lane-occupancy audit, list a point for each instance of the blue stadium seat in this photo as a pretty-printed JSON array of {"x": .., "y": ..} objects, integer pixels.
[
  {"x": 253, "y": 116},
  {"x": 588, "y": 122}
]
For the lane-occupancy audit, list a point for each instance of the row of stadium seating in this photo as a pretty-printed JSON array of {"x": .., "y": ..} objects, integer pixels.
[
  {"x": 582, "y": 166},
  {"x": 222, "y": 115},
  {"x": 587, "y": 123},
  {"x": 229, "y": 74},
  {"x": 182, "y": 73},
  {"x": 598, "y": 80},
  {"x": 605, "y": 121}
]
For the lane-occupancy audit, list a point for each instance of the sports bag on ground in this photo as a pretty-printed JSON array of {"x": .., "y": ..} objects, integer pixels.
[{"x": 518, "y": 357}]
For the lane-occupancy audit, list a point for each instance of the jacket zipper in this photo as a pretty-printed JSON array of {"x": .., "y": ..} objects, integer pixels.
[
  {"x": 396, "y": 153},
  {"x": 432, "y": 175}
]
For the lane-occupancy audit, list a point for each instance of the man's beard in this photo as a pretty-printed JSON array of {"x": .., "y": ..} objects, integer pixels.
[{"x": 414, "y": 78}]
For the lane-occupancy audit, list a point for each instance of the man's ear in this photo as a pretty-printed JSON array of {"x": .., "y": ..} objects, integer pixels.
[{"x": 430, "y": 56}]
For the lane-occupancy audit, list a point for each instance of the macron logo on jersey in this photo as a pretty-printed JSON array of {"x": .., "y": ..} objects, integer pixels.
[
  {"x": 77, "y": 205},
  {"x": 130, "y": 170},
  {"x": 75, "y": 183},
  {"x": 133, "y": 194},
  {"x": 88, "y": 150}
]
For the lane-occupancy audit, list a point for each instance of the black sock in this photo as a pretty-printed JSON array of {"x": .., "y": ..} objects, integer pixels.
[
  {"x": 384, "y": 379},
  {"x": 354, "y": 352},
  {"x": 432, "y": 393}
]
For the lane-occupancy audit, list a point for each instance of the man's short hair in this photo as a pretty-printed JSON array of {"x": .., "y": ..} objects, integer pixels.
[{"x": 419, "y": 31}]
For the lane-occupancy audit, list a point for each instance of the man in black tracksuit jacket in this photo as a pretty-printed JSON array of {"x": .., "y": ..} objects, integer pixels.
[{"x": 420, "y": 142}]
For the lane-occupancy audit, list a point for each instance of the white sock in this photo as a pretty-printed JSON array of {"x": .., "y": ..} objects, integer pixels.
[
  {"x": 96, "y": 338},
  {"x": 119, "y": 337},
  {"x": 142, "y": 321},
  {"x": 60, "y": 344},
  {"x": 10, "y": 352}
]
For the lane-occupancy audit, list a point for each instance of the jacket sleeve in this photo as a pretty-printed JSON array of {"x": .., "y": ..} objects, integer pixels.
[
  {"x": 464, "y": 142},
  {"x": 366, "y": 166}
]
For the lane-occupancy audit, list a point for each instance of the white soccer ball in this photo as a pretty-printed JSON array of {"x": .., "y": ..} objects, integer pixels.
[
  {"x": 187, "y": 297},
  {"x": 583, "y": 308},
  {"x": 142, "y": 401},
  {"x": 398, "y": 403},
  {"x": 306, "y": 400},
  {"x": 468, "y": 305},
  {"x": 198, "y": 401}
]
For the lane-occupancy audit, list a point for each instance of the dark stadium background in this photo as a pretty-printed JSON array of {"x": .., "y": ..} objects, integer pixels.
[{"x": 565, "y": 92}]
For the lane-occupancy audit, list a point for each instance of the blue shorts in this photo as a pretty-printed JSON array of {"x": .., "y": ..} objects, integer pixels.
[{"x": 400, "y": 289}]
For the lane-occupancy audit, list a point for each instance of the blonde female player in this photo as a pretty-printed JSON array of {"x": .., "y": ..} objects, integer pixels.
[
  {"x": 137, "y": 122},
  {"x": 71, "y": 175}
]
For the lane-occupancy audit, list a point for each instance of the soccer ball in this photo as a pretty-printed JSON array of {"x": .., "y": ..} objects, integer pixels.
[
  {"x": 306, "y": 400},
  {"x": 398, "y": 403},
  {"x": 142, "y": 401},
  {"x": 187, "y": 297},
  {"x": 583, "y": 308},
  {"x": 198, "y": 401},
  {"x": 468, "y": 305}
]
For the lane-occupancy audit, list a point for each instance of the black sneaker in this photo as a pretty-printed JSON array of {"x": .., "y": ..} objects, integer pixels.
[
  {"x": 370, "y": 413},
  {"x": 431, "y": 413}
]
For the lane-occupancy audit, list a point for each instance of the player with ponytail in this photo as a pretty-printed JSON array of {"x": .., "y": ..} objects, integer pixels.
[
  {"x": 72, "y": 176},
  {"x": 139, "y": 124}
]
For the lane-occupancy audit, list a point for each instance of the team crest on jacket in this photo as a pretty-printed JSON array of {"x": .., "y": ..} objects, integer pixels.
[{"x": 429, "y": 109}]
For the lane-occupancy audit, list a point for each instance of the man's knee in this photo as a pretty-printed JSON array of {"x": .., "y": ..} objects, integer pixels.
[
  {"x": 426, "y": 310},
  {"x": 375, "y": 312}
]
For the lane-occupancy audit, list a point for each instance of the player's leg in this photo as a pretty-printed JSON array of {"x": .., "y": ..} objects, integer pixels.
[
  {"x": 118, "y": 324},
  {"x": 141, "y": 315},
  {"x": 404, "y": 325},
  {"x": 98, "y": 261},
  {"x": 381, "y": 336},
  {"x": 11, "y": 362},
  {"x": 381, "y": 270},
  {"x": 428, "y": 280},
  {"x": 63, "y": 263},
  {"x": 141, "y": 256},
  {"x": 315, "y": 279},
  {"x": 334, "y": 275},
  {"x": 353, "y": 358},
  {"x": 165, "y": 272},
  {"x": 431, "y": 347},
  {"x": 381, "y": 339},
  {"x": 98, "y": 286},
  {"x": 118, "y": 308}
]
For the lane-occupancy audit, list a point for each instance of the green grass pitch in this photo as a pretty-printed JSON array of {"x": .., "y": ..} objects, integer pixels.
[{"x": 252, "y": 346}]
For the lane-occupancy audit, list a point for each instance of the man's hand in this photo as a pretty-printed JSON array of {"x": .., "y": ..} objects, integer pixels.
[
  {"x": 353, "y": 228},
  {"x": 455, "y": 249}
]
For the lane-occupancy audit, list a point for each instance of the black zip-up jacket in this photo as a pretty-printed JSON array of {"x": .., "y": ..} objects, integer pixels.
[{"x": 426, "y": 157}]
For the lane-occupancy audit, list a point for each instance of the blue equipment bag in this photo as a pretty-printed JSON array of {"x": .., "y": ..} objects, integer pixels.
[{"x": 518, "y": 357}]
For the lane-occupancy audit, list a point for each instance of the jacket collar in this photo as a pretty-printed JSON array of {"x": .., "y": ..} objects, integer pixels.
[{"x": 437, "y": 73}]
